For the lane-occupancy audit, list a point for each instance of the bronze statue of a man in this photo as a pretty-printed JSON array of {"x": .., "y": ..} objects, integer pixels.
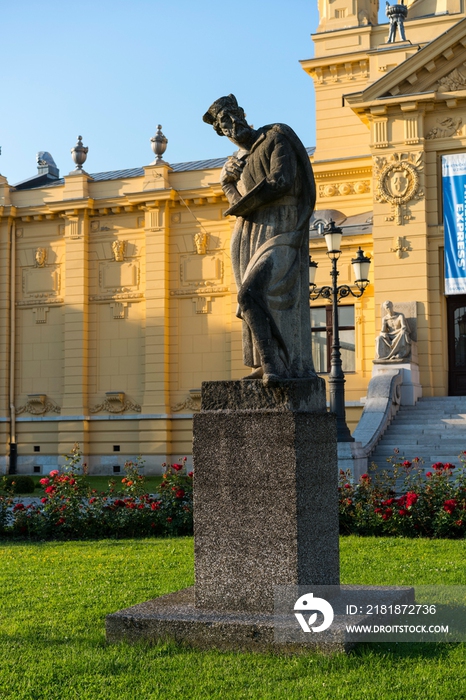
[{"x": 271, "y": 190}]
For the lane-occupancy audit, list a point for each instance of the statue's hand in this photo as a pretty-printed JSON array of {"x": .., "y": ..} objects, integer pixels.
[{"x": 231, "y": 171}]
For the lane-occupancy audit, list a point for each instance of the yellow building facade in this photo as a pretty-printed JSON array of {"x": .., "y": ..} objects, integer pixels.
[{"x": 117, "y": 293}]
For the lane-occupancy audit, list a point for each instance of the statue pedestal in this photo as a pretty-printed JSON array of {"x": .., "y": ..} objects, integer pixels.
[
  {"x": 265, "y": 527},
  {"x": 411, "y": 389},
  {"x": 265, "y": 494}
]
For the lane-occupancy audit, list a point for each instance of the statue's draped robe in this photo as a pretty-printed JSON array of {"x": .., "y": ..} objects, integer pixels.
[
  {"x": 394, "y": 343},
  {"x": 270, "y": 242}
]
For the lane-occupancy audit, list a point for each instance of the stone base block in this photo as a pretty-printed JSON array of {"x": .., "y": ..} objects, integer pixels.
[
  {"x": 265, "y": 492},
  {"x": 174, "y": 617}
]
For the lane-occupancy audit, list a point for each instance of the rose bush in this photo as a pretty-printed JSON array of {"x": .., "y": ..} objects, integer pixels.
[
  {"x": 70, "y": 509},
  {"x": 403, "y": 500}
]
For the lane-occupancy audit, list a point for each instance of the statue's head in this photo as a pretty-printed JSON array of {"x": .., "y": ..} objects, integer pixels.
[
  {"x": 228, "y": 119},
  {"x": 387, "y": 306}
]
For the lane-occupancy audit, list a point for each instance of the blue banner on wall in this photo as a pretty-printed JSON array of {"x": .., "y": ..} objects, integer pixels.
[{"x": 454, "y": 211}]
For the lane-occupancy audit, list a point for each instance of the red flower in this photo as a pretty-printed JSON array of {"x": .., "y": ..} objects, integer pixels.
[
  {"x": 411, "y": 498},
  {"x": 18, "y": 506},
  {"x": 92, "y": 500},
  {"x": 177, "y": 467},
  {"x": 388, "y": 502},
  {"x": 438, "y": 466},
  {"x": 44, "y": 500},
  {"x": 428, "y": 474},
  {"x": 377, "y": 510},
  {"x": 50, "y": 489},
  {"x": 403, "y": 511},
  {"x": 458, "y": 522},
  {"x": 54, "y": 473},
  {"x": 448, "y": 466},
  {"x": 155, "y": 506},
  {"x": 179, "y": 493},
  {"x": 347, "y": 486},
  {"x": 44, "y": 482},
  {"x": 141, "y": 506},
  {"x": 163, "y": 485},
  {"x": 119, "y": 503},
  {"x": 406, "y": 464},
  {"x": 190, "y": 474},
  {"x": 60, "y": 521},
  {"x": 169, "y": 519},
  {"x": 450, "y": 505},
  {"x": 365, "y": 476}
]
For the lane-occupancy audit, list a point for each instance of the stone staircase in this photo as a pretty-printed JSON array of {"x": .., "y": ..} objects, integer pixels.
[{"x": 434, "y": 429}]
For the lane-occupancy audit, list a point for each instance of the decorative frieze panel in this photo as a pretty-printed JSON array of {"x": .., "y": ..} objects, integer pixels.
[
  {"x": 344, "y": 189},
  {"x": 198, "y": 271},
  {"x": 116, "y": 402},
  {"x": 119, "y": 277},
  {"x": 38, "y": 405},
  {"x": 42, "y": 282},
  {"x": 455, "y": 80},
  {"x": 397, "y": 180},
  {"x": 191, "y": 403},
  {"x": 445, "y": 128},
  {"x": 340, "y": 72}
]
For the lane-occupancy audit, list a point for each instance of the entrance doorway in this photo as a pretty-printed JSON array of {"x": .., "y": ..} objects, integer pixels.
[{"x": 456, "y": 314}]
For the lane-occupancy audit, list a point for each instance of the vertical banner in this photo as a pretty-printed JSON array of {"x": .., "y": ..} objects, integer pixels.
[{"x": 454, "y": 210}]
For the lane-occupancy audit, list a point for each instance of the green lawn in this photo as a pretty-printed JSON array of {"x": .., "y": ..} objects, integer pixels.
[{"x": 56, "y": 595}]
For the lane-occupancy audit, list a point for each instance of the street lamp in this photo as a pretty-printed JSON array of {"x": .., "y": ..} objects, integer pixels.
[{"x": 334, "y": 293}]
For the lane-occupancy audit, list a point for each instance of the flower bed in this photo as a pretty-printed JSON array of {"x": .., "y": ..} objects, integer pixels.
[
  {"x": 405, "y": 501},
  {"x": 70, "y": 509}
]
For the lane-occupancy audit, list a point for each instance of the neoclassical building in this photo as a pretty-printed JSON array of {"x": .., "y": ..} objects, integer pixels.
[{"x": 117, "y": 293}]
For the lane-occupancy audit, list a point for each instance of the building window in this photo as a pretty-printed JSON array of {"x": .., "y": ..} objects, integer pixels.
[
  {"x": 339, "y": 14},
  {"x": 322, "y": 337}
]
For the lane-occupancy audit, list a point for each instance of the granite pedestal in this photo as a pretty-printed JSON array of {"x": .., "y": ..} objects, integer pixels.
[
  {"x": 265, "y": 495},
  {"x": 265, "y": 515}
]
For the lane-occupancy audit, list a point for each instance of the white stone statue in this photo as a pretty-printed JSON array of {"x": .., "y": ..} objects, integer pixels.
[{"x": 394, "y": 342}]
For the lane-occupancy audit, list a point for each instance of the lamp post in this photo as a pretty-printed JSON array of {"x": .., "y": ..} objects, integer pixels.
[{"x": 334, "y": 294}]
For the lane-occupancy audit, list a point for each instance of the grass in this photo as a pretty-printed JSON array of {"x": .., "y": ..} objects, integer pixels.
[{"x": 56, "y": 596}]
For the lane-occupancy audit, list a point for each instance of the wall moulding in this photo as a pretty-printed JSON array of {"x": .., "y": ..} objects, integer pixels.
[
  {"x": 129, "y": 296},
  {"x": 341, "y": 174},
  {"x": 117, "y": 277},
  {"x": 197, "y": 270},
  {"x": 345, "y": 71},
  {"x": 41, "y": 282},
  {"x": 217, "y": 291}
]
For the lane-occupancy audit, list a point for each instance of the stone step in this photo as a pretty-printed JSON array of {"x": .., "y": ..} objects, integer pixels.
[{"x": 431, "y": 426}]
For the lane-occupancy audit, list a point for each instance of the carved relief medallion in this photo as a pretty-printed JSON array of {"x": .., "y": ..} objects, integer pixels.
[{"x": 398, "y": 182}]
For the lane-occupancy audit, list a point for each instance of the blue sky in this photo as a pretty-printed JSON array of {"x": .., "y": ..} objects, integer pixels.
[{"x": 112, "y": 71}]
